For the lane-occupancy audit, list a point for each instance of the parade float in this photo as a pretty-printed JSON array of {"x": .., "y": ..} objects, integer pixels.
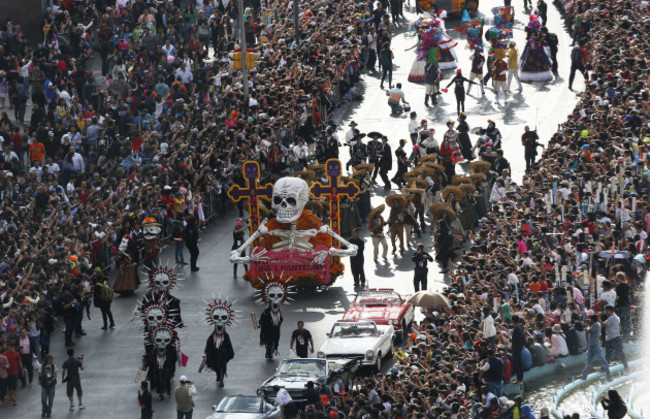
[{"x": 294, "y": 245}]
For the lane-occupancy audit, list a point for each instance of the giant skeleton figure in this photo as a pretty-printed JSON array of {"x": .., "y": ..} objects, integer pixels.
[
  {"x": 160, "y": 359},
  {"x": 218, "y": 348},
  {"x": 292, "y": 228}
]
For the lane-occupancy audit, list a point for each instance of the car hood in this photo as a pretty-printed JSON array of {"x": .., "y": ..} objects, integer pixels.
[
  {"x": 290, "y": 383},
  {"x": 349, "y": 346},
  {"x": 378, "y": 313},
  {"x": 225, "y": 415}
]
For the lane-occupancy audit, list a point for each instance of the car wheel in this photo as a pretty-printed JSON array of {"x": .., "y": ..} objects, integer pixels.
[{"x": 378, "y": 363}]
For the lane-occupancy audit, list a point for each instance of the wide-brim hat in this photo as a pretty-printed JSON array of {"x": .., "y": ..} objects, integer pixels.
[
  {"x": 428, "y": 157},
  {"x": 412, "y": 188},
  {"x": 458, "y": 193},
  {"x": 468, "y": 189},
  {"x": 316, "y": 167},
  {"x": 366, "y": 166},
  {"x": 345, "y": 180},
  {"x": 396, "y": 199},
  {"x": 306, "y": 173},
  {"x": 353, "y": 124},
  {"x": 477, "y": 178},
  {"x": 436, "y": 166},
  {"x": 557, "y": 328},
  {"x": 360, "y": 172},
  {"x": 460, "y": 180},
  {"x": 376, "y": 211},
  {"x": 479, "y": 166},
  {"x": 442, "y": 210},
  {"x": 421, "y": 183}
]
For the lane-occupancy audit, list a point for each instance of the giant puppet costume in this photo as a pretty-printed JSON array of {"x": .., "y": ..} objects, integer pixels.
[
  {"x": 161, "y": 281},
  {"x": 293, "y": 227},
  {"x": 127, "y": 280},
  {"x": 160, "y": 359},
  {"x": 218, "y": 348},
  {"x": 151, "y": 234},
  {"x": 274, "y": 293}
]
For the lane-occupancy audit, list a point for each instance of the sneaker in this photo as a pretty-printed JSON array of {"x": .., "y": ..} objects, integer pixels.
[
  {"x": 72, "y": 408},
  {"x": 81, "y": 406}
]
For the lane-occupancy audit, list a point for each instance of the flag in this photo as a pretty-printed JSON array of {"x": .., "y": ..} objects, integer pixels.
[{"x": 184, "y": 359}]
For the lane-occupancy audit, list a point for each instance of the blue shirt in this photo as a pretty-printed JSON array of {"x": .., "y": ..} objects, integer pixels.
[{"x": 526, "y": 359}]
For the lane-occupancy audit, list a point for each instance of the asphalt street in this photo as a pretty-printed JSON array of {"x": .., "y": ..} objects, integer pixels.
[{"x": 113, "y": 357}]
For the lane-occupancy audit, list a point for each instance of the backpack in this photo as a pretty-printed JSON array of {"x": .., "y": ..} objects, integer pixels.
[
  {"x": 105, "y": 293},
  {"x": 575, "y": 54}
]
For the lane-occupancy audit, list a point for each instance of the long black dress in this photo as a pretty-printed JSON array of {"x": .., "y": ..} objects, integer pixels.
[
  {"x": 217, "y": 357},
  {"x": 270, "y": 332},
  {"x": 464, "y": 142},
  {"x": 161, "y": 371}
]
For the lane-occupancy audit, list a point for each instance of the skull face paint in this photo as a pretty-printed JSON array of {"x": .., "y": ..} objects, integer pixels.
[
  {"x": 290, "y": 196},
  {"x": 124, "y": 244}
]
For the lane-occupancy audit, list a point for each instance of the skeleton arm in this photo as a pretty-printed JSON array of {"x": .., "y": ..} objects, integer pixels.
[
  {"x": 350, "y": 251},
  {"x": 235, "y": 255}
]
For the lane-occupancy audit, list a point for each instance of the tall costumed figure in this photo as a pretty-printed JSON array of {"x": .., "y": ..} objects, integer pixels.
[
  {"x": 218, "y": 348},
  {"x": 274, "y": 293}
]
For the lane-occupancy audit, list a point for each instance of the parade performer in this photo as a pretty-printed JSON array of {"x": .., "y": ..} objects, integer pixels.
[
  {"x": 513, "y": 65},
  {"x": 151, "y": 233},
  {"x": 376, "y": 226},
  {"x": 127, "y": 280},
  {"x": 161, "y": 281},
  {"x": 464, "y": 142},
  {"x": 448, "y": 59},
  {"x": 273, "y": 293},
  {"x": 535, "y": 62},
  {"x": 397, "y": 219},
  {"x": 459, "y": 90},
  {"x": 160, "y": 359},
  {"x": 218, "y": 348},
  {"x": 477, "y": 69},
  {"x": 431, "y": 83},
  {"x": 494, "y": 135},
  {"x": 499, "y": 74}
]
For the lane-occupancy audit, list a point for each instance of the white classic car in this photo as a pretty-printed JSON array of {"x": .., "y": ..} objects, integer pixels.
[{"x": 365, "y": 341}]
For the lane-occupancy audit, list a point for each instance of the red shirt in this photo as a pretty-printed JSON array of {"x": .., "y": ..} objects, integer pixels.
[{"x": 13, "y": 358}]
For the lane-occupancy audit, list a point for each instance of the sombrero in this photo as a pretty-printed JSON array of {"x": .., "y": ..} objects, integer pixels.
[
  {"x": 413, "y": 189},
  {"x": 428, "y": 157},
  {"x": 421, "y": 183},
  {"x": 410, "y": 176},
  {"x": 479, "y": 167},
  {"x": 460, "y": 180},
  {"x": 360, "y": 172},
  {"x": 314, "y": 205},
  {"x": 345, "y": 180},
  {"x": 477, "y": 177},
  {"x": 376, "y": 211},
  {"x": 306, "y": 173},
  {"x": 436, "y": 166},
  {"x": 442, "y": 209},
  {"x": 316, "y": 167},
  {"x": 451, "y": 189},
  {"x": 468, "y": 189},
  {"x": 366, "y": 166},
  {"x": 396, "y": 199},
  {"x": 426, "y": 170}
]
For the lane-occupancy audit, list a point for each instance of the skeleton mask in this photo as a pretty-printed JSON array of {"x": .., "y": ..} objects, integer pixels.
[
  {"x": 151, "y": 231},
  {"x": 124, "y": 244},
  {"x": 275, "y": 296},
  {"x": 162, "y": 338},
  {"x": 220, "y": 316},
  {"x": 154, "y": 316},
  {"x": 162, "y": 279},
  {"x": 290, "y": 196}
]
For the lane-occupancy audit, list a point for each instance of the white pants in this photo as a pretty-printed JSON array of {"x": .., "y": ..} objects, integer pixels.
[
  {"x": 475, "y": 76},
  {"x": 375, "y": 244},
  {"x": 513, "y": 72}
]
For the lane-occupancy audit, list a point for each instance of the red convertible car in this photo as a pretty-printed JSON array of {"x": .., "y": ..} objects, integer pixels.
[{"x": 384, "y": 307}]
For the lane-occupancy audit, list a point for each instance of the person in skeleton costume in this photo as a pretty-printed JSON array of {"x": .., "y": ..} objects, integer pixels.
[
  {"x": 161, "y": 282},
  {"x": 127, "y": 280},
  {"x": 274, "y": 293},
  {"x": 293, "y": 227},
  {"x": 218, "y": 348},
  {"x": 160, "y": 359},
  {"x": 151, "y": 233}
]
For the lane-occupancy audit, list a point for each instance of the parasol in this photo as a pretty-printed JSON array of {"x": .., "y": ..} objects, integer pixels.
[{"x": 429, "y": 299}]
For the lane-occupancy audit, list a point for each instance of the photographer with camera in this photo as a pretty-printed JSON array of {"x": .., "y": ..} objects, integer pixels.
[{"x": 72, "y": 379}]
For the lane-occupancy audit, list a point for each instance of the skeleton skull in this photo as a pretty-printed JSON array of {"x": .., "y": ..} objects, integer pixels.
[
  {"x": 220, "y": 316},
  {"x": 151, "y": 231},
  {"x": 161, "y": 281},
  {"x": 162, "y": 338},
  {"x": 154, "y": 316},
  {"x": 275, "y": 296},
  {"x": 124, "y": 244},
  {"x": 290, "y": 196}
]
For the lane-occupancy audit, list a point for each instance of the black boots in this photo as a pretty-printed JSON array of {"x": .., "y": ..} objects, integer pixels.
[{"x": 426, "y": 100}]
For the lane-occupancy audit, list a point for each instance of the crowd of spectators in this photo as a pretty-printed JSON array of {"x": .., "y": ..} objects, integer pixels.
[
  {"x": 159, "y": 131},
  {"x": 539, "y": 266}
]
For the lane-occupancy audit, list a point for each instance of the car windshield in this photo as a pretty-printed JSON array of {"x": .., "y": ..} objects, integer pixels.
[
  {"x": 241, "y": 404},
  {"x": 376, "y": 299},
  {"x": 304, "y": 367},
  {"x": 353, "y": 330}
]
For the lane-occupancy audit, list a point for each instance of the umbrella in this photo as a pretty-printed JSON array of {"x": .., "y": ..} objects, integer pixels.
[
  {"x": 430, "y": 300},
  {"x": 617, "y": 255},
  {"x": 375, "y": 134}
]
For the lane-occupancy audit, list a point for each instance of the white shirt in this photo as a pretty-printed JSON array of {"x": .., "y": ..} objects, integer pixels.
[
  {"x": 53, "y": 168},
  {"x": 413, "y": 126},
  {"x": 512, "y": 279},
  {"x": 609, "y": 296},
  {"x": 186, "y": 76},
  {"x": 301, "y": 152},
  {"x": 283, "y": 397},
  {"x": 38, "y": 170},
  {"x": 65, "y": 96},
  {"x": 78, "y": 163},
  {"x": 488, "y": 327},
  {"x": 169, "y": 50}
]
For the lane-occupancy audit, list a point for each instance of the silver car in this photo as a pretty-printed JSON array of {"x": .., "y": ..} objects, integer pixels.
[{"x": 244, "y": 407}]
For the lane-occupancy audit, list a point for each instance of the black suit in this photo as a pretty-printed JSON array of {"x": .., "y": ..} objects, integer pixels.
[
  {"x": 385, "y": 164},
  {"x": 356, "y": 262}
]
